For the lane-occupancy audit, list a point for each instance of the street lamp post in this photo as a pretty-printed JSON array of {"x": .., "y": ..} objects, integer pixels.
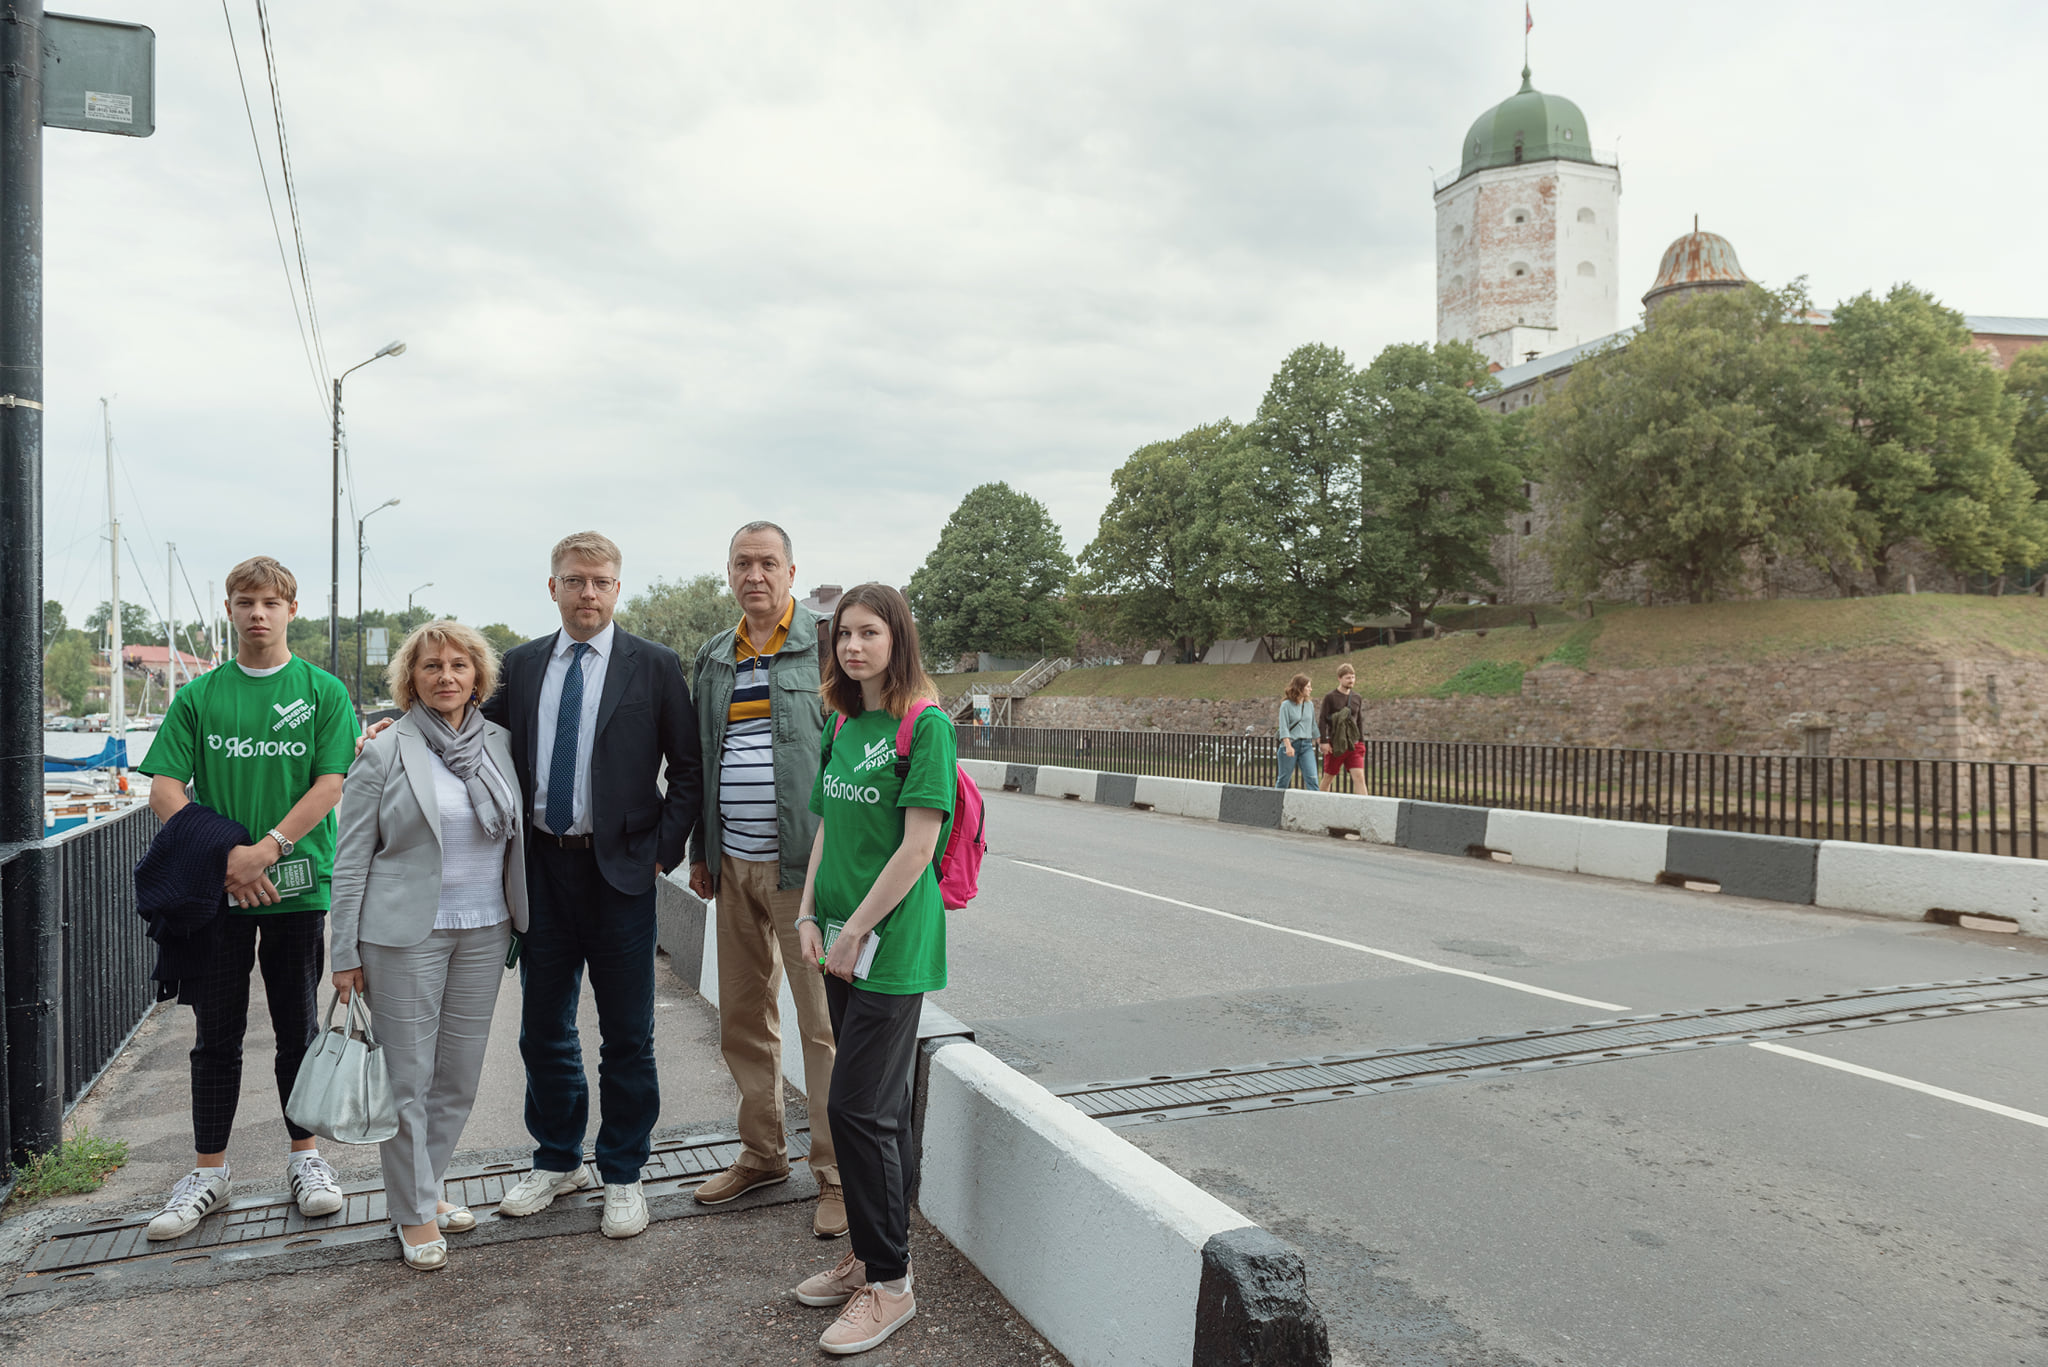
[
  {"x": 387, "y": 503},
  {"x": 408, "y": 602},
  {"x": 334, "y": 591}
]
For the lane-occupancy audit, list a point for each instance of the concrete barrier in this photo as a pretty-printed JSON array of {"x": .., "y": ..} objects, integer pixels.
[
  {"x": 1376, "y": 819},
  {"x": 1242, "y": 805},
  {"x": 1907, "y": 884},
  {"x": 1020, "y": 778},
  {"x": 1179, "y": 797},
  {"x": 1111, "y": 1255},
  {"x": 1538, "y": 839},
  {"x": 1053, "y": 781},
  {"x": 1774, "y": 868},
  {"x": 986, "y": 773},
  {"x": 1622, "y": 849},
  {"x": 1439, "y": 828},
  {"x": 1116, "y": 790}
]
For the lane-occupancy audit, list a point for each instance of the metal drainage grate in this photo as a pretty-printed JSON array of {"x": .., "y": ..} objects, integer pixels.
[
  {"x": 1291, "y": 1082},
  {"x": 265, "y": 1226}
]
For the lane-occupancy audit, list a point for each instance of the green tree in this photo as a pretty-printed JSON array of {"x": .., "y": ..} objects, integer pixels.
[
  {"x": 1923, "y": 437},
  {"x": 994, "y": 582},
  {"x": 501, "y": 637},
  {"x": 1286, "y": 507},
  {"x": 1441, "y": 474},
  {"x": 54, "y": 623},
  {"x": 2026, "y": 383},
  {"x": 682, "y": 615},
  {"x": 138, "y": 627},
  {"x": 1151, "y": 571},
  {"x": 67, "y": 669},
  {"x": 1688, "y": 449}
]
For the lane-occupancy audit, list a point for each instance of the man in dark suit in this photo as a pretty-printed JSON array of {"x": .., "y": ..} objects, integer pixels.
[{"x": 594, "y": 711}]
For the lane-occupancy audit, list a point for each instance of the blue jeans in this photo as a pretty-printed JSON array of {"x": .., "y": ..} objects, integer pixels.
[
  {"x": 577, "y": 919},
  {"x": 1302, "y": 761}
]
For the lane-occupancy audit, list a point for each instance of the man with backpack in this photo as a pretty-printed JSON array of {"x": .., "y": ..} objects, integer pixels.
[
  {"x": 1341, "y": 723},
  {"x": 759, "y": 719}
]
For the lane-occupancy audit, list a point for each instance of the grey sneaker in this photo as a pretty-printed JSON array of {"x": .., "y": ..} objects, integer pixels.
[
  {"x": 196, "y": 1194},
  {"x": 625, "y": 1210},
  {"x": 538, "y": 1189},
  {"x": 314, "y": 1186}
]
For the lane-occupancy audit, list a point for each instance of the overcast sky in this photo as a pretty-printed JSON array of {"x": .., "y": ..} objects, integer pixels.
[{"x": 665, "y": 267}]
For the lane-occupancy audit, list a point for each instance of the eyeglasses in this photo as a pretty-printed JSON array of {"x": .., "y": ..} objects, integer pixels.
[{"x": 575, "y": 583}]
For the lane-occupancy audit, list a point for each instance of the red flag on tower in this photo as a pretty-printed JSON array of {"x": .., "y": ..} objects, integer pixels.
[{"x": 1528, "y": 19}]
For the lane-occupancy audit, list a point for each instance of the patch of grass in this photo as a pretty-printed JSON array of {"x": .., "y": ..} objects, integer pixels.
[
  {"x": 1483, "y": 679},
  {"x": 1576, "y": 648},
  {"x": 1923, "y": 626},
  {"x": 80, "y": 1163}
]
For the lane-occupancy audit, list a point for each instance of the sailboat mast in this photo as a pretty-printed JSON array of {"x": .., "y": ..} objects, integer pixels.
[
  {"x": 170, "y": 623},
  {"x": 117, "y": 692}
]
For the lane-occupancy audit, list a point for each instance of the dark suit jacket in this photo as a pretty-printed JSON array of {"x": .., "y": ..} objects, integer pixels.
[{"x": 643, "y": 718}]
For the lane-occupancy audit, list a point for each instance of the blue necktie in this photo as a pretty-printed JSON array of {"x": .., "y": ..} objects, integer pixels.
[{"x": 561, "y": 811}]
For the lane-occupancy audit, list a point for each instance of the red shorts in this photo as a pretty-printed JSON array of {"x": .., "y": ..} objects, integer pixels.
[{"x": 1335, "y": 763}]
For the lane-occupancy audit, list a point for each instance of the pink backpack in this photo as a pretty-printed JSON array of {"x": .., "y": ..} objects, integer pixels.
[{"x": 959, "y": 864}]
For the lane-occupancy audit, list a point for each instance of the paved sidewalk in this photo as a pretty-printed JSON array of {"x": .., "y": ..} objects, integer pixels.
[{"x": 698, "y": 1286}]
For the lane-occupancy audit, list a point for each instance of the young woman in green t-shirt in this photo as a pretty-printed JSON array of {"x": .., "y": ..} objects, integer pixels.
[{"x": 872, "y": 893}]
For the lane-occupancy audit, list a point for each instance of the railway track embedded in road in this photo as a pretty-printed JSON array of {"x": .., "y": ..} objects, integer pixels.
[{"x": 1334, "y": 1077}]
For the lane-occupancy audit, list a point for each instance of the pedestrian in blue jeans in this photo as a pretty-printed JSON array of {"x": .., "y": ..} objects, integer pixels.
[{"x": 1297, "y": 736}]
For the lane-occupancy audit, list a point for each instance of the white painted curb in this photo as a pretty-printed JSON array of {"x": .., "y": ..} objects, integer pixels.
[
  {"x": 1376, "y": 819},
  {"x": 988, "y": 774},
  {"x": 1097, "y": 1245},
  {"x": 1054, "y": 781},
  {"x": 1180, "y": 797},
  {"x": 1894, "y": 881}
]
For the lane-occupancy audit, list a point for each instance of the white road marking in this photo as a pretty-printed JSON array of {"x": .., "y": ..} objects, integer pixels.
[
  {"x": 1331, "y": 940},
  {"x": 1929, "y": 1089}
]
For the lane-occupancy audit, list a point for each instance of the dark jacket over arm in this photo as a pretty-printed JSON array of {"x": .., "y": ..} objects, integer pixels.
[{"x": 181, "y": 890}]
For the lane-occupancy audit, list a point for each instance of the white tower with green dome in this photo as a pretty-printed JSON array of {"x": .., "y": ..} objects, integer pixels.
[{"x": 1527, "y": 233}]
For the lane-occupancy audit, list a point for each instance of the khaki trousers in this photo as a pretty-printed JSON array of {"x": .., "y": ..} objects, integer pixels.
[{"x": 756, "y": 936}]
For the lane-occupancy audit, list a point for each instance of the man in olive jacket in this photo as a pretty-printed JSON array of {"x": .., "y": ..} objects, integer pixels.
[{"x": 760, "y": 724}]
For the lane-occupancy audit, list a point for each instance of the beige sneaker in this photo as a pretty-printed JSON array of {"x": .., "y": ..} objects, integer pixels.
[
  {"x": 871, "y": 1316},
  {"x": 835, "y": 1287},
  {"x": 735, "y": 1181},
  {"x": 829, "y": 1221}
]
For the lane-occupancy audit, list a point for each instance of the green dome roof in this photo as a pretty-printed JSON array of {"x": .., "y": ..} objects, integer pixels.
[{"x": 1527, "y": 126}]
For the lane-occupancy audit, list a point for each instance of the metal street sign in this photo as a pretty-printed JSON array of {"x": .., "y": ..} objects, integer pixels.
[
  {"x": 378, "y": 651},
  {"x": 99, "y": 75}
]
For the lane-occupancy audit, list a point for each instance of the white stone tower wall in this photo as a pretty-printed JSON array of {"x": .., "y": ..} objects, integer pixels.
[{"x": 1588, "y": 305}]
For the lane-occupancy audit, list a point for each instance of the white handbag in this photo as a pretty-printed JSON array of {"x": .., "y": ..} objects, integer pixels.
[{"x": 343, "y": 1091}]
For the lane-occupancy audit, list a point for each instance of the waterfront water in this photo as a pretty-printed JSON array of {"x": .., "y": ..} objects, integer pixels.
[{"x": 77, "y": 744}]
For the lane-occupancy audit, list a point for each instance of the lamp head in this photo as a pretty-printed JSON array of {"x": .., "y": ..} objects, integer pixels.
[{"x": 391, "y": 349}]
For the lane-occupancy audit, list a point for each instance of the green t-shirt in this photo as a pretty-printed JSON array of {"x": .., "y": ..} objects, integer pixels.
[
  {"x": 861, "y": 802},
  {"x": 251, "y": 747}
]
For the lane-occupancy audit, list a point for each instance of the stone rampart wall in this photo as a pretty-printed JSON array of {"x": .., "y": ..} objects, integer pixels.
[{"x": 1930, "y": 709}]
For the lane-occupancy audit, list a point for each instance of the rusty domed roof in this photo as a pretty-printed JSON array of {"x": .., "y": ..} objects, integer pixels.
[{"x": 1697, "y": 260}]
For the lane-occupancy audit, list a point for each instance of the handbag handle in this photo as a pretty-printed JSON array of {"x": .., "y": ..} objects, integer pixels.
[{"x": 349, "y": 1023}]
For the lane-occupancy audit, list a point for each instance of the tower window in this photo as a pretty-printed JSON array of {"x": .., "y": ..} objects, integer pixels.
[
  {"x": 1519, "y": 217},
  {"x": 1518, "y": 270},
  {"x": 1585, "y": 215},
  {"x": 1567, "y": 135},
  {"x": 1457, "y": 232},
  {"x": 1518, "y": 149},
  {"x": 1457, "y": 282},
  {"x": 1586, "y": 269},
  {"x": 1525, "y": 527}
]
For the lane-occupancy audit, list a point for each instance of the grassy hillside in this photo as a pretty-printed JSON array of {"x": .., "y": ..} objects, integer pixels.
[{"x": 1926, "y": 626}]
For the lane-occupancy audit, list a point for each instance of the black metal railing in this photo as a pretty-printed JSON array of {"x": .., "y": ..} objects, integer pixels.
[
  {"x": 1983, "y": 806},
  {"x": 78, "y": 982}
]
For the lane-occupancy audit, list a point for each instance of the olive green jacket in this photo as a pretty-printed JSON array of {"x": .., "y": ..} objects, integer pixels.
[{"x": 799, "y": 730}]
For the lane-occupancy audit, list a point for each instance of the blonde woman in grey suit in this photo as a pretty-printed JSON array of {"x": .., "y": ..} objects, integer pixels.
[{"x": 429, "y": 885}]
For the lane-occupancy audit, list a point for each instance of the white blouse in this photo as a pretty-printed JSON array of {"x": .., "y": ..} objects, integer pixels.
[{"x": 472, "y": 864}]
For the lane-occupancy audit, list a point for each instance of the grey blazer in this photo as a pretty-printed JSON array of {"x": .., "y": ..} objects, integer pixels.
[{"x": 387, "y": 861}]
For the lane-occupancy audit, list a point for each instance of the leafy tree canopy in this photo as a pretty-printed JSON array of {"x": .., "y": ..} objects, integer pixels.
[
  {"x": 1923, "y": 437},
  {"x": 1690, "y": 447},
  {"x": 2026, "y": 383},
  {"x": 683, "y": 614},
  {"x": 67, "y": 669},
  {"x": 502, "y": 637},
  {"x": 1287, "y": 504},
  {"x": 994, "y": 582},
  {"x": 138, "y": 627},
  {"x": 54, "y": 622},
  {"x": 1151, "y": 569},
  {"x": 1441, "y": 474}
]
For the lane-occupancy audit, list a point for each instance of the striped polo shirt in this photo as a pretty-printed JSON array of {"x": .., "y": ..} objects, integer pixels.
[{"x": 746, "y": 773}]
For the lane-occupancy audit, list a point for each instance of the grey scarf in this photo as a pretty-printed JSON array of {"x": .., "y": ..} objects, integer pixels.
[{"x": 464, "y": 754}]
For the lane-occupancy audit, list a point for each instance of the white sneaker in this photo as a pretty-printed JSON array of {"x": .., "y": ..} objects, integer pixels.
[
  {"x": 313, "y": 1185},
  {"x": 538, "y": 1189},
  {"x": 196, "y": 1194},
  {"x": 625, "y": 1210}
]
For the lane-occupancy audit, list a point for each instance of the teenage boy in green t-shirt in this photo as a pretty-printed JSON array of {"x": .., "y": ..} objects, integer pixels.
[{"x": 264, "y": 741}]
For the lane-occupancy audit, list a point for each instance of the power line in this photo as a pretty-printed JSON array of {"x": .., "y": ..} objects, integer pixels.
[
  {"x": 317, "y": 370},
  {"x": 291, "y": 190}
]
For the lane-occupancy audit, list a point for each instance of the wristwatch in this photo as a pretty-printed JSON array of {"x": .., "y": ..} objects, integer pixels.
[{"x": 284, "y": 846}]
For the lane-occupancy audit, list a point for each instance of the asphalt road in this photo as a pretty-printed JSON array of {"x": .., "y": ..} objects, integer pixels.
[{"x": 1700, "y": 1208}]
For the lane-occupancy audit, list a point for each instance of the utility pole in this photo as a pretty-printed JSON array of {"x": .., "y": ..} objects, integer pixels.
[
  {"x": 117, "y": 683},
  {"x": 334, "y": 588},
  {"x": 31, "y": 924}
]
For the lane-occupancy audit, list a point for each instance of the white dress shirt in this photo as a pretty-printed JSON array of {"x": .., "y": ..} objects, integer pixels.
[{"x": 594, "y": 661}]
